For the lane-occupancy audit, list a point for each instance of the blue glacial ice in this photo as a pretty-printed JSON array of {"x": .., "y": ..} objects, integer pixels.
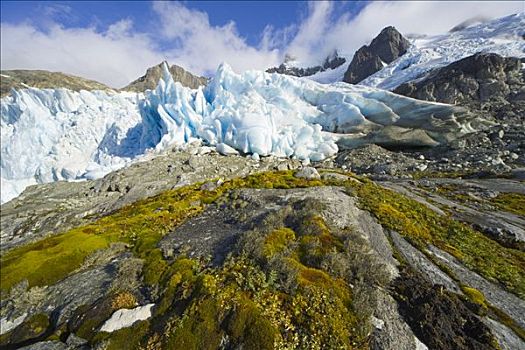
[{"x": 57, "y": 134}]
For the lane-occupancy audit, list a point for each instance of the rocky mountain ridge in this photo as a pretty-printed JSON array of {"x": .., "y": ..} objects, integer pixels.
[
  {"x": 479, "y": 81},
  {"x": 332, "y": 61},
  {"x": 22, "y": 79},
  {"x": 369, "y": 59},
  {"x": 153, "y": 75}
]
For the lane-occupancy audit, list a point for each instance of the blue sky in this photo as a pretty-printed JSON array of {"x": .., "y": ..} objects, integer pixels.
[
  {"x": 250, "y": 17},
  {"x": 115, "y": 41}
]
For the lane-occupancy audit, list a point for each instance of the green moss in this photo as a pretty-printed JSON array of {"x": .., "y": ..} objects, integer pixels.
[
  {"x": 199, "y": 328},
  {"x": 511, "y": 202},
  {"x": 475, "y": 296},
  {"x": 421, "y": 226},
  {"x": 141, "y": 225},
  {"x": 285, "y": 294},
  {"x": 277, "y": 241},
  {"x": 248, "y": 327},
  {"x": 128, "y": 338},
  {"x": 508, "y": 321}
]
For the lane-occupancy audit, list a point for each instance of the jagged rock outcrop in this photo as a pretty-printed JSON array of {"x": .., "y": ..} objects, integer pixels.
[
  {"x": 153, "y": 75},
  {"x": 474, "y": 80},
  {"x": 385, "y": 48},
  {"x": 23, "y": 79},
  {"x": 331, "y": 62}
]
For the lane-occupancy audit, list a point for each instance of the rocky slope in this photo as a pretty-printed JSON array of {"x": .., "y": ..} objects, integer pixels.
[
  {"x": 384, "y": 49},
  {"x": 153, "y": 74},
  {"x": 22, "y": 79},
  {"x": 293, "y": 259},
  {"x": 480, "y": 80}
]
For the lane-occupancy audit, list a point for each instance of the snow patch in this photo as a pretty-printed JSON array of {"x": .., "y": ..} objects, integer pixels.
[
  {"x": 419, "y": 344},
  {"x": 126, "y": 317},
  {"x": 6, "y": 325}
]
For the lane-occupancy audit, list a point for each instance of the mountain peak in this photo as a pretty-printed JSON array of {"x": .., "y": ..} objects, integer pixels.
[
  {"x": 384, "y": 48},
  {"x": 153, "y": 74}
]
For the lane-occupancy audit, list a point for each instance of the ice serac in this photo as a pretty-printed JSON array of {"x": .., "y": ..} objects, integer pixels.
[
  {"x": 252, "y": 113},
  {"x": 57, "y": 134},
  {"x": 265, "y": 114}
]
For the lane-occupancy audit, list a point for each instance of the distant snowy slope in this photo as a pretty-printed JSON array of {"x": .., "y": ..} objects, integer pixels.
[
  {"x": 330, "y": 75},
  {"x": 503, "y": 36},
  {"x": 50, "y": 135}
]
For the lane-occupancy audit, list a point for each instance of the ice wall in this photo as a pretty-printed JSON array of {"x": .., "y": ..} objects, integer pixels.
[{"x": 56, "y": 134}]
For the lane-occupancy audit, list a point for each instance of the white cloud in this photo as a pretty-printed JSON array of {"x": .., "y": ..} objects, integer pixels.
[
  {"x": 202, "y": 47},
  {"x": 421, "y": 17},
  {"x": 114, "y": 57},
  {"x": 119, "y": 54}
]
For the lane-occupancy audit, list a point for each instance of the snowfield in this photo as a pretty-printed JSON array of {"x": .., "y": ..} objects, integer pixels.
[
  {"x": 503, "y": 36},
  {"x": 57, "y": 134}
]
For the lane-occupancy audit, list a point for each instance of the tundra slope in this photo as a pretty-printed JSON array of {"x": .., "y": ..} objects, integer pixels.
[{"x": 274, "y": 245}]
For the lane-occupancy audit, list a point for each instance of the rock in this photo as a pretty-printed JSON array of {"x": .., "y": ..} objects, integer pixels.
[
  {"x": 384, "y": 49},
  {"x": 333, "y": 176},
  {"x": 7, "y": 325},
  {"x": 226, "y": 150},
  {"x": 472, "y": 80},
  {"x": 194, "y": 162},
  {"x": 75, "y": 342},
  {"x": 518, "y": 174},
  {"x": 210, "y": 186},
  {"x": 33, "y": 328},
  {"x": 364, "y": 64},
  {"x": 308, "y": 173},
  {"x": 153, "y": 74},
  {"x": 282, "y": 166},
  {"x": 48, "y": 345}
]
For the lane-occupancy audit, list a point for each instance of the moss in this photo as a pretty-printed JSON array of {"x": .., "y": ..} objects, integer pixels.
[
  {"x": 511, "y": 202},
  {"x": 475, "y": 296},
  {"x": 277, "y": 241},
  {"x": 249, "y": 328},
  {"x": 141, "y": 225},
  {"x": 508, "y": 321},
  {"x": 199, "y": 329},
  {"x": 287, "y": 292},
  {"x": 421, "y": 226},
  {"x": 128, "y": 338}
]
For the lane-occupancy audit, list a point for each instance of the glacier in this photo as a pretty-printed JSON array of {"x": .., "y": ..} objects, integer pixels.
[
  {"x": 57, "y": 134},
  {"x": 503, "y": 36}
]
